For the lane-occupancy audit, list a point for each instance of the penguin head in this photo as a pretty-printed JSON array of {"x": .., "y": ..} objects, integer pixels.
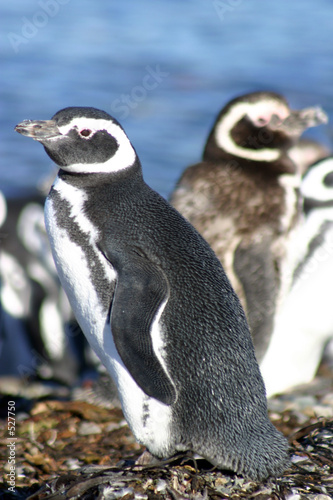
[
  {"x": 82, "y": 140},
  {"x": 259, "y": 127},
  {"x": 317, "y": 185}
]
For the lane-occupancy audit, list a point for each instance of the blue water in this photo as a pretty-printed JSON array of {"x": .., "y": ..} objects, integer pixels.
[{"x": 163, "y": 68}]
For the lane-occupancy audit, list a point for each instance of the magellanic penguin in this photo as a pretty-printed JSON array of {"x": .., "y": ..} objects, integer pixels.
[
  {"x": 19, "y": 300},
  {"x": 153, "y": 301},
  {"x": 305, "y": 322},
  {"x": 33, "y": 301},
  {"x": 243, "y": 198}
]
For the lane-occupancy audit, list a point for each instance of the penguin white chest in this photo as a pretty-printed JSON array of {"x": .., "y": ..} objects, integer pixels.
[
  {"x": 82, "y": 269},
  {"x": 89, "y": 281}
]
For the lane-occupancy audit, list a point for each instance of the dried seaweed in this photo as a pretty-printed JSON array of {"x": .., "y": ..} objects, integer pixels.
[{"x": 77, "y": 450}]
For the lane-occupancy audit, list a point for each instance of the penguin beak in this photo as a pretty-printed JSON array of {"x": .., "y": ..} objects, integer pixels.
[
  {"x": 38, "y": 129},
  {"x": 298, "y": 121}
]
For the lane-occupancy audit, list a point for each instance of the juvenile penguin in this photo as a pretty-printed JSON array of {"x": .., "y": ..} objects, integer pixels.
[
  {"x": 305, "y": 322},
  {"x": 243, "y": 198},
  {"x": 153, "y": 301}
]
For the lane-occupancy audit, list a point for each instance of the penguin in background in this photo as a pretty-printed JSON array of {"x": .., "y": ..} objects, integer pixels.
[
  {"x": 243, "y": 198},
  {"x": 35, "y": 309},
  {"x": 15, "y": 294},
  {"x": 304, "y": 323},
  {"x": 154, "y": 302}
]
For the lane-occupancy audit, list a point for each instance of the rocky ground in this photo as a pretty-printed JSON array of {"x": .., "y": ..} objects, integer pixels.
[{"x": 71, "y": 444}]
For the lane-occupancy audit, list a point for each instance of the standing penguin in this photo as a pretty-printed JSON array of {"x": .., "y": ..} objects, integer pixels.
[
  {"x": 153, "y": 301},
  {"x": 243, "y": 198},
  {"x": 305, "y": 322}
]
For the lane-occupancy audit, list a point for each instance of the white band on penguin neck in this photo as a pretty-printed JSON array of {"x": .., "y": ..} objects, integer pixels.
[
  {"x": 124, "y": 157},
  {"x": 225, "y": 141}
]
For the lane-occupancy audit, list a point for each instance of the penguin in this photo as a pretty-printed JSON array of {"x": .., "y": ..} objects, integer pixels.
[
  {"x": 243, "y": 197},
  {"x": 15, "y": 301},
  {"x": 154, "y": 302},
  {"x": 34, "y": 304},
  {"x": 23, "y": 274},
  {"x": 304, "y": 323}
]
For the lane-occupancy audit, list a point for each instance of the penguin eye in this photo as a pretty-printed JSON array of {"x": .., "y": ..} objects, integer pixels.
[
  {"x": 85, "y": 132},
  {"x": 262, "y": 121},
  {"x": 328, "y": 179},
  {"x": 259, "y": 121}
]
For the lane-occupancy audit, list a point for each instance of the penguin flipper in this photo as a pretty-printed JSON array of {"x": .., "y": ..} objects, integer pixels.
[
  {"x": 256, "y": 270},
  {"x": 141, "y": 291}
]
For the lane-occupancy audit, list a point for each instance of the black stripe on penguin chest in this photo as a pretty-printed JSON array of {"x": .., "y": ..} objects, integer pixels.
[
  {"x": 103, "y": 285},
  {"x": 314, "y": 244}
]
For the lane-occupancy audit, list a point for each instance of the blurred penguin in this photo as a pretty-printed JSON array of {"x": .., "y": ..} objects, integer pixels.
[
  {"x": 15, "y": 293},
  {"x": 304, "y": 323},
  {"x": 243, "y": 197},
  {"x": 35, "y": 311}
]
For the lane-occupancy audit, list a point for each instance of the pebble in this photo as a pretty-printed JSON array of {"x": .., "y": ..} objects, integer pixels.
[
  {"x": 302, "y": 403},
  {"x": 18, "y": 386},
  {"x": 22, "y": 415},
  {"x": 328, "y": 399},
  {"x": 161, "y": 486},
  {"x": 112, "y": 426},
  {"x": 298, "y": 458},
  {"x": 111, "y": 493},
  {"x": 276, "y": 405},
  {"x": 315, "y": 404},
  {"x": 73, "y": 463},
  {"x": 87, "y": 428},
  {"x": 115, "y": 425},
  {"x": 220, "y": 481},
  {"x": 323, "y": 411}
]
